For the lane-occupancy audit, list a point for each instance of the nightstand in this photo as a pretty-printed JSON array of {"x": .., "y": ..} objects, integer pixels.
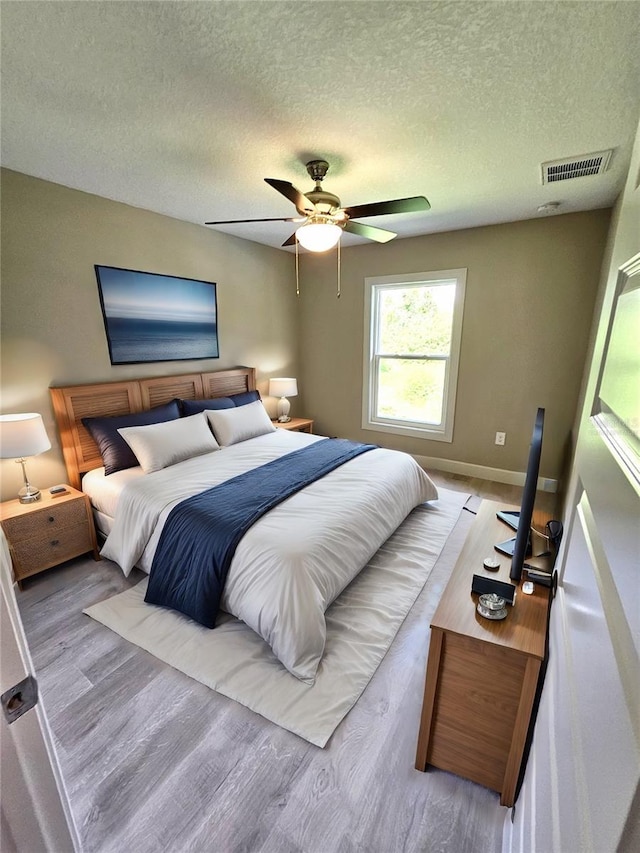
[
  {"x": 48, "y": 532},
  {"x": 296, "y": 425}
]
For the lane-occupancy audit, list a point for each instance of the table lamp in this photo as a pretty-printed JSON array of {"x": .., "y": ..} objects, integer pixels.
[
  {"x": 283, "y": 387},
  {"x": 20, "y": 436}
]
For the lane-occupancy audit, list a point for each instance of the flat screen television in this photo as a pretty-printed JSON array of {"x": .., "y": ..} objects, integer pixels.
[{"x": 519, "y": 546}]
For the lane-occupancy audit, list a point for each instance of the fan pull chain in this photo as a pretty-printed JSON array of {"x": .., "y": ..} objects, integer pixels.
[
  {"x": 297, "y": 270},
  {"x": 338, "y": 292}
]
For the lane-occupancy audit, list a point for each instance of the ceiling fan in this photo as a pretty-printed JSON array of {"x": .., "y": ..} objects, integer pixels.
[{"x": 324, "y": 219}]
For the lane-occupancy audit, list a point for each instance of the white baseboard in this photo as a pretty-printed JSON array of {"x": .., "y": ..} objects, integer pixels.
[{"x": 495, "y": 475}]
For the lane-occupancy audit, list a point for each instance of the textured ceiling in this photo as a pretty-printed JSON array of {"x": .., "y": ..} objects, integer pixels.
[{"x": 184, "y": 107}]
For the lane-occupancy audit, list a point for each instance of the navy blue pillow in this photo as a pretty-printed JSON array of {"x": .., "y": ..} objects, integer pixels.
[
  {"x": 245, "y": 398},
  {"x": 116, "y": 453},
  {"x": 192, "y": 407}
]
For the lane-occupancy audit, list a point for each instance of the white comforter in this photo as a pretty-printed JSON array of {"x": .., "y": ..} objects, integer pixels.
[{"x": 296, "y": 559}]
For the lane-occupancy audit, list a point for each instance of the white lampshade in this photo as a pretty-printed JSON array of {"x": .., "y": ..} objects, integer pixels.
[
  {"x": 318, "y": 236},
  {"x": 22, "y": 435},
  {"x": 283, "y": 387}
]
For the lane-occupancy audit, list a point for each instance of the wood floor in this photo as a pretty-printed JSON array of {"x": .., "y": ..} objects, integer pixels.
[
  {"x": 546, "y": 502},
  {"x": 154, "y": 761}
]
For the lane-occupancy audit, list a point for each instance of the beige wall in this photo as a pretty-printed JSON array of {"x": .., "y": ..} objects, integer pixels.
[
  {"x": 52, "y": 328},
  {"x": 529, "y": 302},
  {"x": 530, "y": 296},
  {"x": 593, "y": 633}
]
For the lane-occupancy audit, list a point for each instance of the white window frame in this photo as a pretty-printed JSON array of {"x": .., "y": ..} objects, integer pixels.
[
  {"x": 621, "y": 434},
  {"x": 372, "y": 287}
]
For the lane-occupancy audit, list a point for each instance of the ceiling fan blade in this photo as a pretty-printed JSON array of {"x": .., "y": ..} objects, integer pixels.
[
  {"x": 385, "y": 208},
  {"x": 289, "y": 191},
  {"x": 380, "y": 235},
  {"x": 291, "y": 241},
  {"x": 237, "y": 221}
]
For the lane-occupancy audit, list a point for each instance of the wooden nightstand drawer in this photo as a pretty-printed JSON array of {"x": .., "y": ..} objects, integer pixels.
[
  {"x": 42, "y": 552},
  {"x": 49, "y": 519}
]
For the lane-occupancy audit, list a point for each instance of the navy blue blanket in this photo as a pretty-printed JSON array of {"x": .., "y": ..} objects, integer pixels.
[{"x": 201, "y": 534}]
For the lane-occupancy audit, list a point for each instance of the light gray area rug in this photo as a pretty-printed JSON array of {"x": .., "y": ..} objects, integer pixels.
[{"x": 361, "y": 625}]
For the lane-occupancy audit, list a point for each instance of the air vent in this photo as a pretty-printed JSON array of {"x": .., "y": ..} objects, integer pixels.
[{"x": 575, "y": 167}]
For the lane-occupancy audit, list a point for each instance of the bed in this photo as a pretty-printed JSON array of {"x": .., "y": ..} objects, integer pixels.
[{"x": 296, "y": 559}]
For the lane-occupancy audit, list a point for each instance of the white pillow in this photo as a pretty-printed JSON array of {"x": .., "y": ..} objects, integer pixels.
[
  {"x": 239, "y": 424},
  {"x": 157, "y": 446}
]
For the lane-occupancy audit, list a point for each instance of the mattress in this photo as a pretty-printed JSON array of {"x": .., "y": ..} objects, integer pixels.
[{"x": 104, "y": 493}]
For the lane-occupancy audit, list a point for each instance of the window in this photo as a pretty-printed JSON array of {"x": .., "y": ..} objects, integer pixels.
[
  {"x": 616, "y": 408},
  {"x": 413, "y": 326}
]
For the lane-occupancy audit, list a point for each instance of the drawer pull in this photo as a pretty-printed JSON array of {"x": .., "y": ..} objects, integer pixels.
[
  {"x": 55, "y": 542},
  {"x": 51, "y": 518}
]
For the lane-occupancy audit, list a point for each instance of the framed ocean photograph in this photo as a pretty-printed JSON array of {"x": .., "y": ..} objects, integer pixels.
[{"x": 154, "y": 317}]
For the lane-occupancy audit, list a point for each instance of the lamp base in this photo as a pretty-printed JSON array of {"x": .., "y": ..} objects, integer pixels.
[
  {"x": 284, "y": 407},
  {"x": 29, "y": 495}
]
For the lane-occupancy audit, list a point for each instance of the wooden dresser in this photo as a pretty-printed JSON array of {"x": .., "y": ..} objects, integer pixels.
[{"x": 482, "y": 676}]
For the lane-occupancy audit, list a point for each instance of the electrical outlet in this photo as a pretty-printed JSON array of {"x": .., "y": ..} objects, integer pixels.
[{"x": 501, "y": 437}]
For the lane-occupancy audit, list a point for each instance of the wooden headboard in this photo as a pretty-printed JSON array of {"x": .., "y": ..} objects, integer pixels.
[{"x": 71, "y": 403}]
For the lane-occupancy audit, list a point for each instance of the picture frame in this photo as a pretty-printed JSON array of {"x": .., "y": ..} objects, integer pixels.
[{"x": 156, "y": 317}]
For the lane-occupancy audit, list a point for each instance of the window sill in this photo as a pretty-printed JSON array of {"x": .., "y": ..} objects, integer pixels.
[{"x": 413, "y": 432}]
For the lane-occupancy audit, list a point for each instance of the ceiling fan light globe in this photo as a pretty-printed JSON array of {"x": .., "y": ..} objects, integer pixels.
[{"x": 318, "y": 236}]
